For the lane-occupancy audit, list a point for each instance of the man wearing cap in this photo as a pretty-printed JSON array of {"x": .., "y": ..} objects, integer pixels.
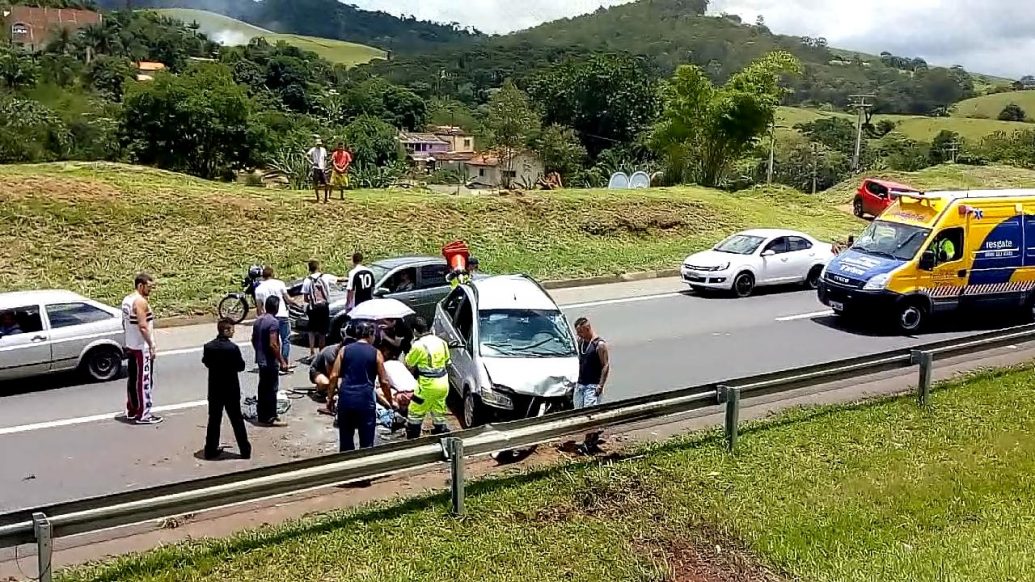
[{"x": 318, "y": 160}]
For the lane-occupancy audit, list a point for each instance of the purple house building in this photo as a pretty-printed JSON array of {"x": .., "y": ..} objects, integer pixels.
[{"x": 421, "y": 148}]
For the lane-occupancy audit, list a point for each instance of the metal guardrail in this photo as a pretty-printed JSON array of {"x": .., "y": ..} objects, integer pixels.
[{"x": 40, "y": 525}]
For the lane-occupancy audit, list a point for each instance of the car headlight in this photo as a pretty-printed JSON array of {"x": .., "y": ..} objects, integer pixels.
[
  {"x": 494, "y": 396},
  {"x": 877, "y": 282},
  {"x": 722, "y": 267}
]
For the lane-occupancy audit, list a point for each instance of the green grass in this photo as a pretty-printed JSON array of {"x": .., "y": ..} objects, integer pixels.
[
  {"x": 335, "y": 51},
  {"x": 94, "y": 225},
  {"x": 943, "y": 177},
  {"x": 232, "y": 31},
  {"x": 883, "y": 491},
  {"x": 915, "y": 127},
  {"x": 989, "y": 106}
]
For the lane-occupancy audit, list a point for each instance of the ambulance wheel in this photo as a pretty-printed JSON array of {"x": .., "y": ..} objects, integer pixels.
[{"x": 910, "y": 317}]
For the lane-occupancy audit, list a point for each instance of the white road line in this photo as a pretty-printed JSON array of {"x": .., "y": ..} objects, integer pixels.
[
  {"x": 93, "y": 418},
  {"x": 191, "y": 350},
  {"x": 805, "y": 315},
  {"x": 621, "y": 300}
]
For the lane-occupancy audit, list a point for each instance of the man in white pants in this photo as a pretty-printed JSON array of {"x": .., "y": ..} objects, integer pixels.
[{"x": 138, "y": 325}]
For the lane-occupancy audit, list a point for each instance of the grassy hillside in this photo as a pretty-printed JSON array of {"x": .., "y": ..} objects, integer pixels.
[
  {"x": 230, "y": 31},
  {"x": 886, "y": 491},
  {"x": 95, "y": 225},
  {"x": 944, "y": 177},
  {"x": 989, "y": 106},
  {"x": 915, "y": 127}
]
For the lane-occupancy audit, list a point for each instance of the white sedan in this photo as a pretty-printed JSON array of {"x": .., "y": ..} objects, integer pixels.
[
  {"x": 755, "y": 258},
  {"x": 55, "y": 331}
]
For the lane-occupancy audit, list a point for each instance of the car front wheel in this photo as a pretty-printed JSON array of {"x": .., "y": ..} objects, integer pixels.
[
  {"x": 857, "y": 207},
  {"x": 743, "y": 284},
  {"x": 103, "y": 364},
  {"x": 474, "y": 410}
]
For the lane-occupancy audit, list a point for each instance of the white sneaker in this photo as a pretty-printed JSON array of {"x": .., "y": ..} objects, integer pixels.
[{"x": 149, "y": 420}]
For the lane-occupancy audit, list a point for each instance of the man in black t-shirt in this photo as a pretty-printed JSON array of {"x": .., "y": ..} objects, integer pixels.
[
  {"x": 361, "y": 282},
  {"x": 320, "y": 373}
]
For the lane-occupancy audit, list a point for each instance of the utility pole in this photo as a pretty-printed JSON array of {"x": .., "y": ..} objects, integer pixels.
[
  {"x": 954, "y": 149},
  {"x": 862, "y": 108},
  {"x": 815, "y": 154},
  {"x": 772, "y": 153}
]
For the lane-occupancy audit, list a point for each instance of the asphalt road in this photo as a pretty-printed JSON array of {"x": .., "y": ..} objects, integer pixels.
[{"x": 59, "y": 439}]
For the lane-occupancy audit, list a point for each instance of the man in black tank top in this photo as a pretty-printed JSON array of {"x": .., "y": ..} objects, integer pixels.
[
  {"x": 594, "y": 368},
  {"x": 356, "y": 366}
]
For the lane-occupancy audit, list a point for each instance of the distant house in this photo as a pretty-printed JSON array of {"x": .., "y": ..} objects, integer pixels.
[
  {"x": 423, "y": 149},
  {"x": 488, "y": 170},
  {"x": 459, "y": 140},
  {"x": 33, "y": 28},
  {"x": 146, "y": 70}
]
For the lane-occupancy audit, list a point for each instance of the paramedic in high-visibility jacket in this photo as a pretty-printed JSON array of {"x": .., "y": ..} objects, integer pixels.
[{"x": 428, "y": 360}]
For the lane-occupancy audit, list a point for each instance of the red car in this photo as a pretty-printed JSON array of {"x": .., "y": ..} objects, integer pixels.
[{"x": 874, "y": 196}]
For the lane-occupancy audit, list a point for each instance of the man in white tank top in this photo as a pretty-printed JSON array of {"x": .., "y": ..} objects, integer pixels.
[{"x": 138, "y": 324}]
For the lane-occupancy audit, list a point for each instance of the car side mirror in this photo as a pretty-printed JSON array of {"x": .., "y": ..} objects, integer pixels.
[
  {"x": 768, "y": 253},
  {"x": 928, "y": 260},
  {"x": 456, "y": 344},
  {"x": 381, "y": 292}
]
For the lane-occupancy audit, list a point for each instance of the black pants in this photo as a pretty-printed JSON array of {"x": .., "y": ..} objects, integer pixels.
[
  {"x": 269, "y": 383},
  {"x": 358, "y": 416},
  {"x": 229, "y": 401}
]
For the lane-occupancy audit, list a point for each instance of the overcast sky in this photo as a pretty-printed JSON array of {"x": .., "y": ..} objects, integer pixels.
[{"x": 986, "y": 36}]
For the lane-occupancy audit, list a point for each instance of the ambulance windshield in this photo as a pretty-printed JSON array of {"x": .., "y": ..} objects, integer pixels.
[{"x": 891, "y": 240}]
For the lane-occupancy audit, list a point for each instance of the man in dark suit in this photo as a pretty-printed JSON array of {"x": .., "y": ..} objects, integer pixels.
[{"x": 223, "y": 359}]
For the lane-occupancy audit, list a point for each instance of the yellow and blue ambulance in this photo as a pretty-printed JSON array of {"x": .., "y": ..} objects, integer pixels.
[{"x": 936, "y": 252}]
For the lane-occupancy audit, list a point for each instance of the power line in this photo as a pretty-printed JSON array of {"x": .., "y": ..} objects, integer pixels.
[{"x": 862, "y": 108}]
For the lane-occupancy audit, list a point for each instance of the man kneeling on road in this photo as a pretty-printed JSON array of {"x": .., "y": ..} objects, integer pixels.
[
  {"x": 427, "y": 360},
  {"x": 320, "y": 375}
]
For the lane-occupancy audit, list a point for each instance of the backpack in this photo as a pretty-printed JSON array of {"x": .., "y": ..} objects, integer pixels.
[{"x": 319, "y": 292}]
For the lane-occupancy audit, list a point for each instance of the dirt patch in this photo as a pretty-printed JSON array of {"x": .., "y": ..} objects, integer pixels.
[
  {"x": 65, "y": 190},
  {"x": 711, "y": 557}
]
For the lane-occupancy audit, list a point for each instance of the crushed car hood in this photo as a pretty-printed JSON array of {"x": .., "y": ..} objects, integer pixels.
[{"x": 547, "y": 377}]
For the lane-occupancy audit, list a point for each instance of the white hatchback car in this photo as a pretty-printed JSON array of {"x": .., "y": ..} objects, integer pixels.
[
  {"x": 55, "y": 331},
  {"x": 757, "y": 257},
  {"x": 512, "y": 351}
]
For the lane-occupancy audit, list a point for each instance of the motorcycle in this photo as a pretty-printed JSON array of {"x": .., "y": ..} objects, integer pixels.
[{"x": 236, "y": 305}]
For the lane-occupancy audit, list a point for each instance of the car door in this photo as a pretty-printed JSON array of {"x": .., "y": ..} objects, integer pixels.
[
  {"x": 948, "y": 277},
  {"x": 776, "y": 261},
  {"x": 445, "y": 314},
  {"x": 802, "y": 256},
  {"x": 26, "y": 351},
  {"x": 392, "y": 283},
  {"x": 75, "y": 325},
  {"x": 432, "y": 286},
  {"x": 462, "y": 357}
]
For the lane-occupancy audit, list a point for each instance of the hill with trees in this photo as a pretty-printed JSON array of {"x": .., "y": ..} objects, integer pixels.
[
  {"x": 673, "y": 32},
  {"x": 324, "y": 19}
]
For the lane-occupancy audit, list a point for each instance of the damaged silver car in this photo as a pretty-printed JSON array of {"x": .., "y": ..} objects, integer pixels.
[{"x": 512, "y": 350}]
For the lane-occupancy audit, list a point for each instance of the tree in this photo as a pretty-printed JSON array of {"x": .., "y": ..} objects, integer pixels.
[
  {"x": 108, "y": 75},
  {"x": 942, "y": 146},
  {"x": 196, "y": 122},
  {"x": 373, "y": 142},
  {"x": 17, "y": 69},
  {"x": 704, "y": 129},
  {"x": 836, "y": 133},
  {"x": 606, "y": 98},
  {"x": 512, "y": 122},
  {"x": 1012, "y": 112},
  {"x": 560, "y": 150}
]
